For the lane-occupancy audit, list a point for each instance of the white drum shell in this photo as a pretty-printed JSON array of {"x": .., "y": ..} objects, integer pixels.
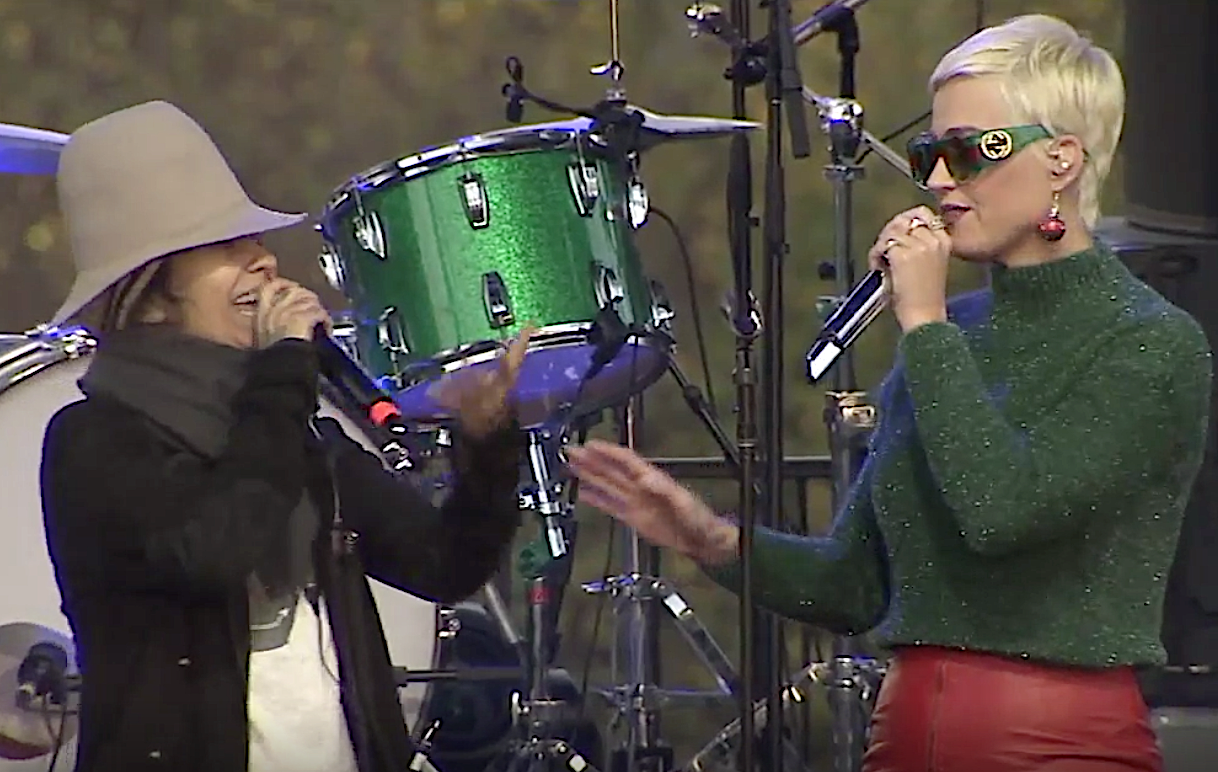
[{"x": 35, "y": 382}]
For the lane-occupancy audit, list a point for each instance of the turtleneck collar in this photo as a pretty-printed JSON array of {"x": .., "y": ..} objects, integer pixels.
[{"x": 1041, "y": 287}]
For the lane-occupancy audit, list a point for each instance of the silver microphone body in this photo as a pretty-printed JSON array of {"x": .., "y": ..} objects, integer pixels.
[{"x": 864, "y": 303}]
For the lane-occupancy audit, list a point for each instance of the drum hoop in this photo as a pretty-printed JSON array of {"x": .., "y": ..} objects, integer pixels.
[
  {"x": 39, "y": 350},
  {"x": 544, "y": 338},
  {"x": 435, "y": 158}
]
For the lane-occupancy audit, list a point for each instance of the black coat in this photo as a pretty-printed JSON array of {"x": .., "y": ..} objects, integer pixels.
[{"x": 152, "y": 547}]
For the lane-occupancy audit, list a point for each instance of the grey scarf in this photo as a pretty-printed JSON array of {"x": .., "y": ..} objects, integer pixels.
[{"x": 185, "y": 386}]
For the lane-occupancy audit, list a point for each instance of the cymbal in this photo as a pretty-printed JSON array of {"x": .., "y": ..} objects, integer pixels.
[
  {"x": 24, "y": 150},
  {"x": 656, "y": 128},
  {"x": 26, "y": 734}
]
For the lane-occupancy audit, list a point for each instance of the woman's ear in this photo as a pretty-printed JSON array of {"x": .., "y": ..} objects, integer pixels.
[{"x": 1066, "y": 159}]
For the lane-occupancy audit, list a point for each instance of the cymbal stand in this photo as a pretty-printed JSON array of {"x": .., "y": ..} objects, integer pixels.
[
  {"x": 848, "y": 417},
  {"x": 636, "y": 591}
]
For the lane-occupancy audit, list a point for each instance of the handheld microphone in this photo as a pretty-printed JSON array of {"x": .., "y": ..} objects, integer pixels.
[
  {"x": 42, "y": 672},
  {"x": 355, "y": 385},
  {"x": 864, "y": 303}
]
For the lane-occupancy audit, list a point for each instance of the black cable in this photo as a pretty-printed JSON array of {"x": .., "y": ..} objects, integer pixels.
[
  {"x": 978, "y": 24},
  {"x": 695, "y": 306},
  {"x": 597, "y": 617},
  {"x": 896, "y": 133},
  {"x": 63, "y": 722}
]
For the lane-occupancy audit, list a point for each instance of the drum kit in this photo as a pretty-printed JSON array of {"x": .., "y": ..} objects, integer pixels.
[{"x": 444, "y": 256}]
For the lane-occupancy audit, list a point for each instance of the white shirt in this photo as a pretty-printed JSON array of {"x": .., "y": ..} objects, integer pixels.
[{"x": 296, "y": 720}]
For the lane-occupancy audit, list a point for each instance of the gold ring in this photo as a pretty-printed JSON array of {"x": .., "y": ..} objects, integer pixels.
[{"x": 936, "y": 223}]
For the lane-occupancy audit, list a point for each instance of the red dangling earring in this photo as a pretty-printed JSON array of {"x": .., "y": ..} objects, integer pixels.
[{"x": 1052, "y": 227}]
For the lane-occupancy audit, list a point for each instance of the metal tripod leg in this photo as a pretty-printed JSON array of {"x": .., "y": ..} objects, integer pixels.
[
  {"x": 634, "y": 590},
  {"x": 720, "y": 753}
]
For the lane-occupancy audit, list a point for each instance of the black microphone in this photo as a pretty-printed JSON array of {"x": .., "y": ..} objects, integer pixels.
[
  {"x": 514, "y": 91},
  {"x": 514, "y": 112},
  {"x": 42, "y": 672},
  {"x": 608, "y": 335},
  {"x": 355, "y": 385},
  {"x": 864, "y": 303}
]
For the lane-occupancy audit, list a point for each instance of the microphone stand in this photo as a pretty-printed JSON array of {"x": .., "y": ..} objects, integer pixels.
[
  {"x": 848, "y": 416},
  {"x": 773, "y": 61},
  {"x": 783, "y": 92},
  {"x": 747, "y": 69}
]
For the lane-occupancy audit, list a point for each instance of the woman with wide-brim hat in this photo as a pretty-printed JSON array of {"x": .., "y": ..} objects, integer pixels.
[{"x": 184, "y": 498}]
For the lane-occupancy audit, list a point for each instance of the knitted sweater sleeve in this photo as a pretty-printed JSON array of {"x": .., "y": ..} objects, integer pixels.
[
  {"x": 1138, "y": 408},
  {"x": 837, "y": 581}
]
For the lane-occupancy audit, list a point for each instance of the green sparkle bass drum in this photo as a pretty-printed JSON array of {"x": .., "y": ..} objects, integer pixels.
[{"x": 446, "y": 255}]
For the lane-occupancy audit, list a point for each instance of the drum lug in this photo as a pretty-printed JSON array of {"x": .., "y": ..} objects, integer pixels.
[
  {"x": 473, "y": 197},
  {"x": 498, "y": 303},
  {"x": 369, "y": 233},
  {"x": 332, "y": 266},
  {"x": 585, "y": 185},
  {"x": 449, "y": 624},
  {"x": 662, "y": 312},
  {"x": 391, "y": 335},
  {"x": 638, "y": 203},
  {"x": 346, "y": 334},
  {"x": 609, "y": 289}
]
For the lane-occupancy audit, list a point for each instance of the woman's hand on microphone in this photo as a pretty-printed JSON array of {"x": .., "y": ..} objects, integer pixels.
[
  {"x": 481, "y": 401},
  {"x": 914, "y": 251},
  {"x": 287, "y": 310}
]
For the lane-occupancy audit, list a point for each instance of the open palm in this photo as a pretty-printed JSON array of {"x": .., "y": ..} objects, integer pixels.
[{"x": 622, "y": 484}]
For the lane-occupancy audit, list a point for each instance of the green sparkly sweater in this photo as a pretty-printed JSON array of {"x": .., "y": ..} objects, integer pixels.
[{"x": 1025, "y": 486}]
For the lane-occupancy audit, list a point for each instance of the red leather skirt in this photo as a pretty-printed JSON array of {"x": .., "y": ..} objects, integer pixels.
[{"x": 942, "y": 710}]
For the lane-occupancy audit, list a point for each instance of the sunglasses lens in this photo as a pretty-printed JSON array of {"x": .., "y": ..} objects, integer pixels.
[
  {"x": 922, "y": 157},
  {"x": 962, "y": 157}
]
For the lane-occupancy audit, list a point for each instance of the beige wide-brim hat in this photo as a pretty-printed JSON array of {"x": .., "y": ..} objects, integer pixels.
[{"x": 142, "y": 183}]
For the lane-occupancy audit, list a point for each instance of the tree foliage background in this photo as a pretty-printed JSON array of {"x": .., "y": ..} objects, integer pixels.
[{"x": 303, "y": 94}]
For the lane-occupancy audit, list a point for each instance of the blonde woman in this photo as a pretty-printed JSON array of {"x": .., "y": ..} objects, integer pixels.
[{"x": 1009, "y": 536}]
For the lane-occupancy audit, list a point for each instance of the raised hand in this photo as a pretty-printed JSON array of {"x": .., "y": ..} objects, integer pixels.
[
  {"x": 622, "y": 484},
  {"x": 481, "y": 402}
]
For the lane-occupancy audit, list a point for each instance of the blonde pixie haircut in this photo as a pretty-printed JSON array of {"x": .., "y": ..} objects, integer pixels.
[{"x": 1052, "y": 76}]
